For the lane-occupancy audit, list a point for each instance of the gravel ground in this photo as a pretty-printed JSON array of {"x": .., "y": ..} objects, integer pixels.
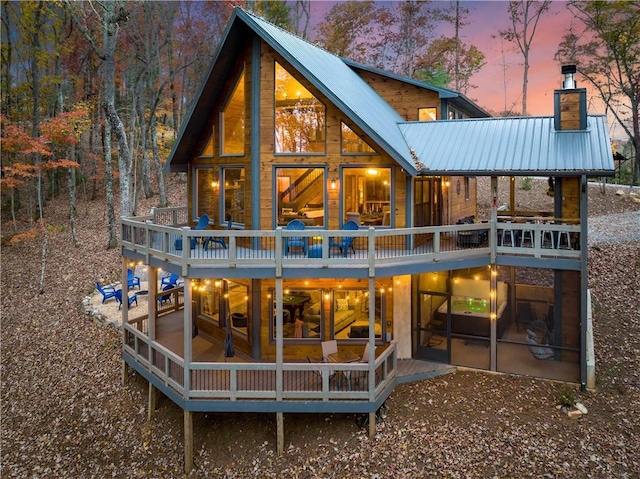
[{"x": 66, "y": 414}]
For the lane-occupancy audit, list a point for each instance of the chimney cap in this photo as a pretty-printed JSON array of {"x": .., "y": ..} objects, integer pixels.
[{"x": 568, "y": 69}]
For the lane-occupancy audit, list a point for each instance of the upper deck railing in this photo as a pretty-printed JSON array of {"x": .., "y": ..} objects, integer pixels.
[{"x": 162, "y": 236}]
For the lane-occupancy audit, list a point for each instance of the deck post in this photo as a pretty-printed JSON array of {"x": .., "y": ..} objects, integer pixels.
[
  {"x": 280, "y": 433},
  {"x": 152, "y": 401},
  {"x": 372, "y": 425},
  {"x": 188, "y": 441},
  {"x": 125, "y": 372}
]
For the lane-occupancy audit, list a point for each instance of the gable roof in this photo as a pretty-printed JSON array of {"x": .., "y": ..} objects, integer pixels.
[
  {"x": 513, "y": 146},
  {"x": 452, "y": 96},
  {"x": 484, "y": 146}
]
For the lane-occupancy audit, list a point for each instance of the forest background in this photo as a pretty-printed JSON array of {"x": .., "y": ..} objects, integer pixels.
[{"x": 94, "y": 93}]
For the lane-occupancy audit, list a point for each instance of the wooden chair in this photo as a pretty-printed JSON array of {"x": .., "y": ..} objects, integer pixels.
[{"x": 132, "y": 281}]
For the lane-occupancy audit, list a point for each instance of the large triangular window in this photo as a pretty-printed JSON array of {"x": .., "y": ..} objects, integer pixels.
[{"x": 300, "y": 116}]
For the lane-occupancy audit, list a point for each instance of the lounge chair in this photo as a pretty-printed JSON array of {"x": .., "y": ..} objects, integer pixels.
[
  {"x": 203, "y": 222},
  {"x": 345, "y": 242},
  {"x": 295, "y": 241},
  {"x": 107, "y": 291},
  {"x": 130, "y": 299},
  {"x": 132, "y": 281}
]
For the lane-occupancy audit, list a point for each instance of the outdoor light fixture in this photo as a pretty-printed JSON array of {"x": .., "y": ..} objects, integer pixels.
[{"x": 333, "y": 184}]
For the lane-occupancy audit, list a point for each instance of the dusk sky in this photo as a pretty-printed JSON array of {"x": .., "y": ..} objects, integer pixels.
[{"x": 486, "y": 18}]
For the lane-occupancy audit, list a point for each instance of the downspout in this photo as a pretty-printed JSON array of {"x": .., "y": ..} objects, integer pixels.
[{"x": 584, "y": 283}]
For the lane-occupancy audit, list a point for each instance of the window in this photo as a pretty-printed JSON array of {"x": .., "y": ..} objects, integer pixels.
[
  {"x": 232, "y": 121},
  {"x": 427, "y": 114},
  {"x": 352, "y": 143},
  {"x": 368, "y": 192},
  {"x": 299, "y": 116},
  {"x": 207, "y": 193},
  {"x": 427, "y": 204},
  {"x": 302, "y": 314},
  {"x": 300, "y": 195},
  {"x": 210, "y": 294},
  {"x": 237, "y": 300},
  {"x": 208, "y": 148},
  {"x": 233, "y": 194},
  {"x": 350, "y": 314}
]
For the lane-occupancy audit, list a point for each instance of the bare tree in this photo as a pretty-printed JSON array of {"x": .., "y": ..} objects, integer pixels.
[{"x": 524, "y": 16}]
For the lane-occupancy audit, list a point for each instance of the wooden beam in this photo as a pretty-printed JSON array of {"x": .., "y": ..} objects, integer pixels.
[
  {"x": 153, "y": 393},
  {"x": 280, "y": 433},
  {"x": 372, "y": 425},
  {"x": 188, "y": 441}
]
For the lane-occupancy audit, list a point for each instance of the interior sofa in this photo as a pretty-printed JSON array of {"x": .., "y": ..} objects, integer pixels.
[{"x": 343, "y": 314}]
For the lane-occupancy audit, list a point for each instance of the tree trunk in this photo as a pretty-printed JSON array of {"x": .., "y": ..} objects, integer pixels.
[
  {"x": 108, "y": 186},
  {"x": 157, "y": 164}
]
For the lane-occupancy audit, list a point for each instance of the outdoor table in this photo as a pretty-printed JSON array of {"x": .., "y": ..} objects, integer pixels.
[{"x": 346, "y": 356}]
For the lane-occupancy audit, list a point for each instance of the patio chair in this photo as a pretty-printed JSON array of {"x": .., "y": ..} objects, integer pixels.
[
  {"x": 107, "y": 291},
  {"x": 130, "y": 299},
  {"x": 217, "y": 239},
  {"x": 166, "y": 297},
  {"x": 329, "y": 347},
  {"x": 318, "y": 371},
  {"x": 295, "y": 241},
  {"x": 170, "y": 280},
  {"x": 132, "y": 281},
  {"x": 538, "y": 351},
  {"x": 345, "y": 242}
]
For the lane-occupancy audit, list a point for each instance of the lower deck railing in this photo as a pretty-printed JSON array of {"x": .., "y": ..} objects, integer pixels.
[{"x": 259, "y": 381}]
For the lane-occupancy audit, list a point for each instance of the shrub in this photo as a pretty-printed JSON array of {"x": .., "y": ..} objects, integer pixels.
[
  {"x": 566, "y": 396},
  {"x": 526, "y": 183}
]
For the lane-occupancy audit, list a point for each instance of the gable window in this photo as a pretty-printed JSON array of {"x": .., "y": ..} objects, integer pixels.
[
  {"x": 368, "y": 192},
  {"x": 208, "y": 148},
  {"x": 233, "y": 194},
  {"x": 427, "y": 114},
  {"x": 352, "y": 143},
  {"x": 299, "y": 116},
  {"x": 232, "y": 121},
  {"x": 300, "y": 194}
]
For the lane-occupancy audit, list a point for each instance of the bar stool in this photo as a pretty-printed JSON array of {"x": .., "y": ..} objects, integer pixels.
[
  {"x": 548, "y": 238},
  {"x": 527, "y": 234},
  {"x": 564, "y": 240},
  {"x": 508, "y": 232}
]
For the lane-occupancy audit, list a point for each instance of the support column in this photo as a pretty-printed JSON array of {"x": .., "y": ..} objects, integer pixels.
[
  {"x": 372, "y": 425},
  {"x": 153, "y": 394},
  {"x": 280, "y": 433},
  {"x": 188, "y": 441},
  {"x": 125, "y": 314}
]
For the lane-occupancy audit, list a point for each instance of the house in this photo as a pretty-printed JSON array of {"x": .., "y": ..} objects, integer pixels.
[{"x": 285, "y": 146}]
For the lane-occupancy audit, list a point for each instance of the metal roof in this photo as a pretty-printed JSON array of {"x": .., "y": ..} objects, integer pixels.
[
  {"x": 510, "y": 146},
  {"x": 338, "y": 82}
]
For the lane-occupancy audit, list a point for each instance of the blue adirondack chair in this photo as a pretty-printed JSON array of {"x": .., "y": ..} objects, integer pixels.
[
  {"x": 344, "y": 242},
  {"x": 203, "y": 222},
  {"x": 165, "y": 297},
  {"x": 106, "y": 291},
  {"x": 130, "y": 299},
  {"x": 295, "y": 241},
  {"x": 170, "y": 280},
  {"x": 217, "y": 239},
  {"x": 132, "y": 281}
]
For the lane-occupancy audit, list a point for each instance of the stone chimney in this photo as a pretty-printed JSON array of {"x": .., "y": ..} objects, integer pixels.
[{"x": 570, "y": 103}]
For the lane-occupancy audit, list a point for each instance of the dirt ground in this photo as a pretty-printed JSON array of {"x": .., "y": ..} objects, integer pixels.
[{"x": 66, "y": 413}]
